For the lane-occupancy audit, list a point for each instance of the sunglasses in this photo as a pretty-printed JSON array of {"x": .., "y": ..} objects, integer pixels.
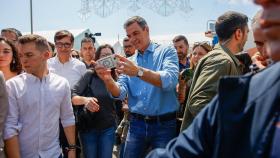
[{"x": 76, "y": 56}]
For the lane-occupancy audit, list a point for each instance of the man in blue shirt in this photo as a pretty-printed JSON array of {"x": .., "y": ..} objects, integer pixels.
[{"x": 149, "y": 80}]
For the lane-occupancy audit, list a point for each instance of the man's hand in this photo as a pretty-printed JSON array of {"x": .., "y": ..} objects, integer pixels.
[
  {"x": 127, "y": 67},
  {"x": 261, "y": 62},
  {"x": 92, "y": 104},
  {"x": 102, "y": 72}
]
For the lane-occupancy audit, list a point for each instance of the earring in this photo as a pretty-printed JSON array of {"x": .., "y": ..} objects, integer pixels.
[{"x": 14, "y": 61}]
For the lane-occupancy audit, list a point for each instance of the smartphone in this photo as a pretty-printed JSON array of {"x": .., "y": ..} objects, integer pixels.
[{"x": 108, "y": 61}]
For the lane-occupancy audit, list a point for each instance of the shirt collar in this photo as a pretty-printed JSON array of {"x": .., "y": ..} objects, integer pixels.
[
  {"x": 235, "y": 60},
  {"x": 151, "y": 48},
  {"x": 35, "y": 78},
  {"x": 57, "y": 60}
]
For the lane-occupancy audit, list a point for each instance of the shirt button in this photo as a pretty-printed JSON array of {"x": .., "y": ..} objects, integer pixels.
[{"x": 145, "y": 109}]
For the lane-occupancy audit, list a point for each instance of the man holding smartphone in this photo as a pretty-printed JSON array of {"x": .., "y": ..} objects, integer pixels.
[{"x": 149, "y": 80}]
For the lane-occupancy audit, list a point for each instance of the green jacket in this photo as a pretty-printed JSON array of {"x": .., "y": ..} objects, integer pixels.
[{"x": 216, "y": 64}]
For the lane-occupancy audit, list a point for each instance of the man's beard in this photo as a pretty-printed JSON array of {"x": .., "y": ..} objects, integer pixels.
[{"x": 181, "y": 56}]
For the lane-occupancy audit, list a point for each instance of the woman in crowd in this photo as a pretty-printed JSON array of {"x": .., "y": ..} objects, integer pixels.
[
  {"x": 97, "y": 135},
  {"x": 199, "y": 50},
  {"x": 75, "y": 54},
  {"x": 9, "y": 60}
]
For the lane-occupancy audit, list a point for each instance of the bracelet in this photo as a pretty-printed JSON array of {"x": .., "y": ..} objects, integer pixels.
[{"x": 72, "y": 147}]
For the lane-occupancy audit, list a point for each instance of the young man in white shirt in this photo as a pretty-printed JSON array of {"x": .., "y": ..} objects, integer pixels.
[{"x": 38, "y": 100}]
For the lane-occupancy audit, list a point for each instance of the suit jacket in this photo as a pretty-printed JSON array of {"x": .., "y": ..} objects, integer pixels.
[
  {"x": 3, "y": 110},
  {"x": 216, "y": 64}
]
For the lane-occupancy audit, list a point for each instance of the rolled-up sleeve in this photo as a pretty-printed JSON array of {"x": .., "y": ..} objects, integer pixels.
[
  {"x": 170, "y": 70},
  {"x": 12, "y": 125},
  {"x": 66, "y": 110},
  {"x": 122, "y": 83}
]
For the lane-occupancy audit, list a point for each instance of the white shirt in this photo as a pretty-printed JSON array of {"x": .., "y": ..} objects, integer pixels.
[
  {"x": 71, "y": 70},
  {"x": 35, "y": 108}
]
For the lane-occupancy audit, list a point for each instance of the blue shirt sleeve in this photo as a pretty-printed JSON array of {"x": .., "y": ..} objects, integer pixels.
[
  {"x": 170, "y": 70},
  {"x": 122, "y": 83}
]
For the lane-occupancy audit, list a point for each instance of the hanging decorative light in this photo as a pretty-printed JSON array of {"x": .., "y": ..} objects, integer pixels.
[
  {"x": 105, "y": 8},
  {"x": 134, "y": 5},
  {"x": 84, "y": 12},
  {"x": 184, "y": 6},
  {"x": 162, "y": 7}
]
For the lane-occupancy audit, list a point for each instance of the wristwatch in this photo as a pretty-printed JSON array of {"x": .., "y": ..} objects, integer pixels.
[{"x": 140, "y": 72}]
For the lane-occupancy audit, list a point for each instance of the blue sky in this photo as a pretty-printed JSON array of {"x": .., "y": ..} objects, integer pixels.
[{"x": 63, "y": 14}]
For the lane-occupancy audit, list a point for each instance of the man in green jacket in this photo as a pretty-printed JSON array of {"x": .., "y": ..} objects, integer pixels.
[{"x": 232, "y": 30}]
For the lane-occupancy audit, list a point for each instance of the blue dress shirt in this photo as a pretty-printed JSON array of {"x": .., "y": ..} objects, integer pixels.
[{"x": 145, "y": 98}]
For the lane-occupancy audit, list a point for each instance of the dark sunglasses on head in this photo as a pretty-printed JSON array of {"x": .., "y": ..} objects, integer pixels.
[
  {"x": 205, "y": 44},
  {"x": 76, "y": 56}
]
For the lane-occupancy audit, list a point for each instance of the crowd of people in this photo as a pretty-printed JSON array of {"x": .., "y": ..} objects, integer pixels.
[{"x": 158, "y": 101}]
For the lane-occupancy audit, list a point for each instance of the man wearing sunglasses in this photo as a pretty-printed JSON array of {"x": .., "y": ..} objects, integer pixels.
[{"x": 232, "y": 30}]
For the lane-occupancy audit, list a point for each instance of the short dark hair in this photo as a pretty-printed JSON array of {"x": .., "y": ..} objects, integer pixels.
[
  {"x": 15, "y": 65},
  {"x": 228, "y": 23},
  {"x": 138, "y": 19},
  {"x": 51, "y": 46},
  {"x": 179, "y": 38},
  {"x": 87, "y": 39},
  {"x": 15, "y": 31},
  {"x": 63, "y": 33},
  {"x": 98, "y": 51},
  {"x": 40, "y": 42}
]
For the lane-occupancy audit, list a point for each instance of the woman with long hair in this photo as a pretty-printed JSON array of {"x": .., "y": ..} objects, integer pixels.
[
  {"x": 9, "y": 59},
  {"x": 97, "y": 128},
  {"x": 199, "y": 50}
]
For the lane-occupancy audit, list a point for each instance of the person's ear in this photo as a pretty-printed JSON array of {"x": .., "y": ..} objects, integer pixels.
[
  {"x": 47, "y": 54},
  {"x": 238, "y": 34},
  {"x": 146, "y": 28}
]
